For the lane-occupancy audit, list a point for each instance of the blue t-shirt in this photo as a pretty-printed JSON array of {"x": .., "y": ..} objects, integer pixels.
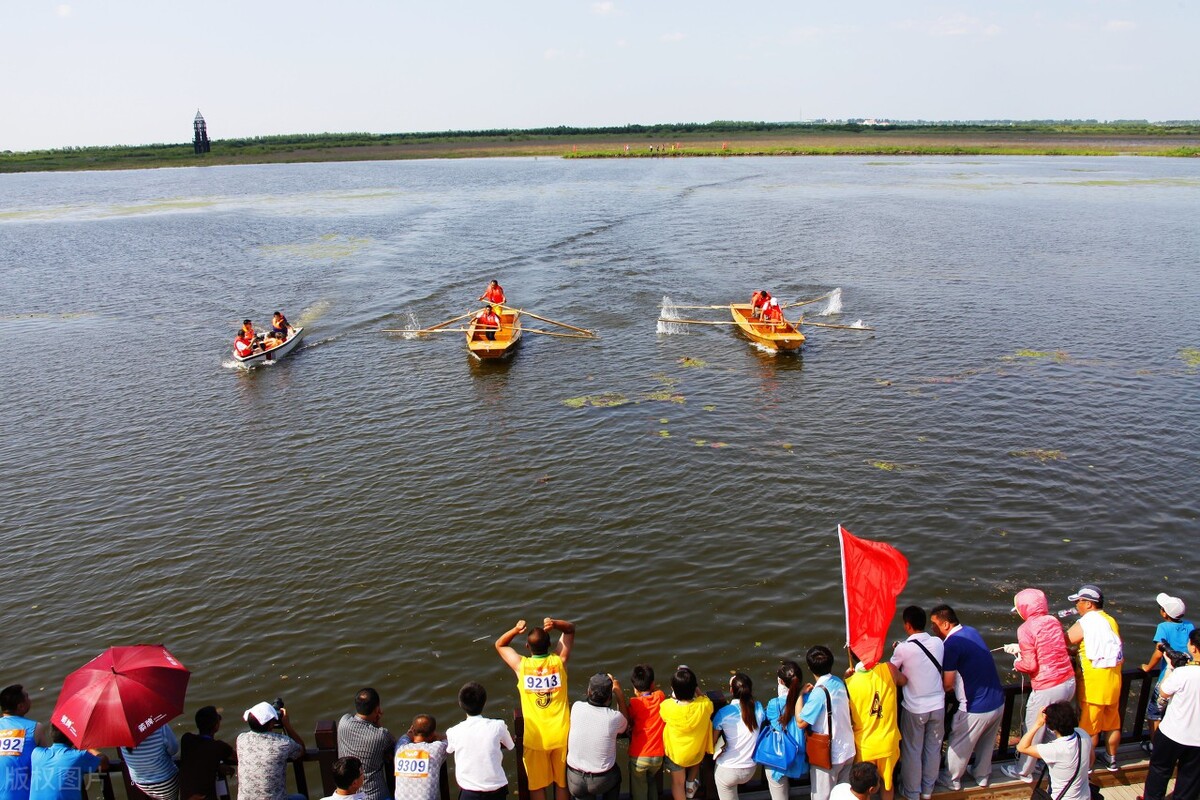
[
  {"x": 16, "y": 750},
  {"x": 799, "y": 766},
  {"x": 57, "y": 772},
  {"x": 1176, "y": 634},
  {"x": 966, "y": 654}
]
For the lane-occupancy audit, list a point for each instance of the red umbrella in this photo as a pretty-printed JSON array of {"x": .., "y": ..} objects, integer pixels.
[{"x": 121, "y": 696}]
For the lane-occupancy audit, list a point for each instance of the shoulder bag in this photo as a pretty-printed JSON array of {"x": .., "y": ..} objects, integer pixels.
[
  {"x": 1042, "y": 794},
  {"x": 818, "y": 746},
  {"x": 951, "y": 696}
]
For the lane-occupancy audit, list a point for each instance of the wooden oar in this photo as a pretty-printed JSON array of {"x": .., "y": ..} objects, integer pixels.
[
  {"x": 722, "y": 308},
  {"x": 563, "y": 335},
  {"x": 447, "y": 322},
  {"x": 827, "y": 325},
  {"x": 809, "y": 302},
  {"x": 695, "y": 321},
  {"x": 424, "y": 330},
  {"x": 551, "y": 321}
]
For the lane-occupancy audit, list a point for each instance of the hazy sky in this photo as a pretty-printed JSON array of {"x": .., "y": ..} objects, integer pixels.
[{"x": 86, "y": 72}]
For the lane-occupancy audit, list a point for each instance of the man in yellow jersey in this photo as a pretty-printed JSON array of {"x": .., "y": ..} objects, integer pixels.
[
  {"x": 542, "y": 684},
  {"x": 1101, "y": 656}
]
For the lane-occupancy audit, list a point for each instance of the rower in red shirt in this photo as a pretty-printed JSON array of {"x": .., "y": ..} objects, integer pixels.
[
  {"x": 494, "y": 293},
  {"x": 488, "y": 321},
  {"x": 756, "y": 302},
  {"x": 771, "y": 312}
]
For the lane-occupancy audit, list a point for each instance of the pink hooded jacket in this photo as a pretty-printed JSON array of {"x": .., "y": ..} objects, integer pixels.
[{"x": 1043, "y": 646}]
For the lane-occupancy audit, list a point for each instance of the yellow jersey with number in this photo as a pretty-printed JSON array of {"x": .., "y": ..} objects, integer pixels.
[{"x": 542, "y": 684}]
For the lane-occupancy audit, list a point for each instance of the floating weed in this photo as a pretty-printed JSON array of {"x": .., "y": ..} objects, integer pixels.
[
  {"x": 331, "y": 246},
  {"x": 665, "y": 379},
  {"x": 665, "y": 396},
  {"x": 882, "y": 382},
  {"x": 886, "y": 466},
  {"x": 663, "y": 420},
  {"x": 1190, "y": 356},
  {"x": 787, "y": 445},
  {"x": 1059, "y": 356},
  {"x": 664, "y": 434},
  {"x": 687, "y": 361},
  {"x": 1041, "y": 455},
  {"x": 922, "y": 439},
  {"x": 710, "y": 408},
  {"x": 718, "y": 444},
  {"x": 699, "y": 442},
  {"x": 606, "y": 400}
]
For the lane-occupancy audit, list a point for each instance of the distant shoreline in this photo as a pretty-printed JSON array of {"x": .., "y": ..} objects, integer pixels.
[{"x": 688, "y": 142}]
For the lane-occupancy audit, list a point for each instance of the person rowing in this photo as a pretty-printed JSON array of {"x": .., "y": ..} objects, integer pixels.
[
  {"x": 771, "y": 312},
  {"x": 757, "y": 300},
  {"x": 494, "y": 294},
  {"x": 488, "y": 321}
]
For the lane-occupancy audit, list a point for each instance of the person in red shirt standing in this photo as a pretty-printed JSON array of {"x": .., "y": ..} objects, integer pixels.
[
  {"x": 494, "y": 293},
  {"x": 645, "y": 734},
  {"x": 488, "y": 321}
]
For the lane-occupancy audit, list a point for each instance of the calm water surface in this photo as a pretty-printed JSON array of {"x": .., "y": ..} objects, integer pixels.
[{"x": 376, "y": 510}]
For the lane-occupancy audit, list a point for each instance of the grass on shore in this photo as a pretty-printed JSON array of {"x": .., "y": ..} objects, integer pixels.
[{"x": 718, "y": 139}]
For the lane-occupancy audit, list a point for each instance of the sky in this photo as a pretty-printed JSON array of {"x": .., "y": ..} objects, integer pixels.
[{"x": 107, "y": 72}]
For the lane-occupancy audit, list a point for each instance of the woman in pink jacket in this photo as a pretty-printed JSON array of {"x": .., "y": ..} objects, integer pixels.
[{"x": 1041, "y": 653}]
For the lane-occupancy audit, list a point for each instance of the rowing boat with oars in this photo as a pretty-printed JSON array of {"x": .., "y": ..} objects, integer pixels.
[
  {"x": 775, "y": 336},
  {"x": 499, "y": 343}
]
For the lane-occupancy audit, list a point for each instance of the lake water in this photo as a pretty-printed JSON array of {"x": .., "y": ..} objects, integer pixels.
[{"x": 375, "y": 510}]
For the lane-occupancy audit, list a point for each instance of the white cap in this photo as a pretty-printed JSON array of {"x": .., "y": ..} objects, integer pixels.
[
  {"x": 1172, "y": 605},
  {"x": 263, "y": 713}
]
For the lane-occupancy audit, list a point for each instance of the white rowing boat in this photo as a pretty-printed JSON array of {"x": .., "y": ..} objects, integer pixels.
[{"x": 273, "y": 354}]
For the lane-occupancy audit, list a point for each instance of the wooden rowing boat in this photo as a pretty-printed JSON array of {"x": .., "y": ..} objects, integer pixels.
[
  {"x": 273, "y": 354},
  {"x": 505, "y": 341},
  {"x": 771, "y": 335}
]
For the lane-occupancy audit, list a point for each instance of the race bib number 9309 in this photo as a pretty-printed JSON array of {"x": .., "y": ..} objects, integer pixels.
[{"x": 412, "y": 764}]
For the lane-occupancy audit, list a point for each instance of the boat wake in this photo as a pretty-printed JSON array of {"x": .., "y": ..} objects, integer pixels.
[
  {"x": 312, "y": 313},
  {"x": 666, "y": 313},
  {"x": 413, "y": 324},
  {"x": 858, "y": 323},
  {"x": 834, "y": 305}
]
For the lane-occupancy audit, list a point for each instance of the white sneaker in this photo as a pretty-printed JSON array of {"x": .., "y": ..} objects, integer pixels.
[
  {"x": 690, "y": 788},
  {"x": 1013, "y": 772}
]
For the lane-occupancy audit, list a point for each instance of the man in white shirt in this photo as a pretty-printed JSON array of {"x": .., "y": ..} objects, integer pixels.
[
  {"x": 864, "y": 782},
  {"x": 1177, "y": 742},
  {"x": 923, "y": 712},
  {"x": 475, "y": 743}
]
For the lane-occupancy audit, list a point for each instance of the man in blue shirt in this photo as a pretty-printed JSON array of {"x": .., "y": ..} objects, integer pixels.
[
  {"x": 969, "y": 670},
  {"x": 18, "y": 736},
  {"x": 57, "y": 771}
]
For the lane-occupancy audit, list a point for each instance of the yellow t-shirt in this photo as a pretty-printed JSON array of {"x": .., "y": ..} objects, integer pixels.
[
  {"x": 1101, "y": 687},
  {"x": 687, "y": 729},
  {"x": 873, "y": 713},
  {"x": 542, "y": 684}
]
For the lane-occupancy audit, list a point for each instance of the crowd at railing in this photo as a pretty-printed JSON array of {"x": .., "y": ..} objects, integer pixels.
[{"x": 921, "y": 719}]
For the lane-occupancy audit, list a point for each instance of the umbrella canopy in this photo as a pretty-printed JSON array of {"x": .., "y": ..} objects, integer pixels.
[{"x": 121, "y": 696}]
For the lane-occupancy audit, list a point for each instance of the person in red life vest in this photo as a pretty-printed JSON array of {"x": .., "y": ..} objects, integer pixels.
[
  {"x": 756, "y": 302},
  {"x": 494, "y": 294},
  {"x": 771, "y": 312},
  {"x": 488, "y": 321},
  {"x": 243, "y": 345}
]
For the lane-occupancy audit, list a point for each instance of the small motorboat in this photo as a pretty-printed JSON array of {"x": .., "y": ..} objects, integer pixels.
[
  {"x": 776, "y": 336},
  {"x": 274, "y": 353},
  {"x": 505, "y": 341}
]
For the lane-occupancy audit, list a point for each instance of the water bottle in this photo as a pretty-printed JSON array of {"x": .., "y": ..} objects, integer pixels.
[{"x": 1067, "y": 612}]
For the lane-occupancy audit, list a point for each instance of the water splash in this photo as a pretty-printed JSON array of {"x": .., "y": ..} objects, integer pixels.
[
  {"x": 413, "y": 325},
  {"x": 834, "y": 304},
  {"x": 669, "y": 312},
  {"x": 858, "y": 323}
]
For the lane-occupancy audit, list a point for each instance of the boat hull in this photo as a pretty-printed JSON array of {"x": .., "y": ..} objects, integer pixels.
[
  {"x": 274, "y": 354},
  {"x": 779, "y": 336},
  {"x": 505, "y": 343}
]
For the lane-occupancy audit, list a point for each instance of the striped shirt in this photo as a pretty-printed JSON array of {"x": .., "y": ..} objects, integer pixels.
[
  {"x": 153, "y": 760},
  {"x": 371, "y": 745}
]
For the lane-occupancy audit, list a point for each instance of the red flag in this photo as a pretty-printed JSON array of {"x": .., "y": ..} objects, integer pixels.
[{"x": 873, "y": 575}]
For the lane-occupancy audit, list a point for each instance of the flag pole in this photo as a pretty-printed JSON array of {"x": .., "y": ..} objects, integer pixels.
[{"x": 845, "y": 594}]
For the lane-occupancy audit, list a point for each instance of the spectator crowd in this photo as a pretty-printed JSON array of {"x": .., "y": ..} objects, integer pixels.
[{"x": 922, "y": 719}]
